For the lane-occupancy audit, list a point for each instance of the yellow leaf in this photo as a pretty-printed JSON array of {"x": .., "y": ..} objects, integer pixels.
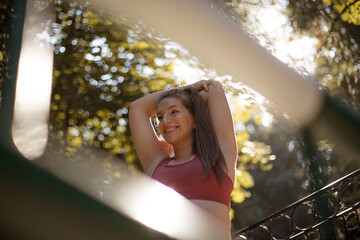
[
  {"x": 242, "y": 137},
  {"x": 157, "y": 84},
  {"x": 100, "y": 113},
  {"x": 242, "y": 115},
  {"x": 170, "y": 67},
  {"x": 245, "y": 180},
  {"x": 106, "y": 145},
  {"x": 237, "y": 196},
  {"x": 141, "y": 45},
  {"x": 258, "y": 120},
  {"x": 60, "y": 116},
  {"x": 327, "y": 2},
  {"x": 57, "y": 97},
  {"x": 130, "y": 159},
  {"x": 76, "y": 142},
  {"x": 266, "y": 167}
]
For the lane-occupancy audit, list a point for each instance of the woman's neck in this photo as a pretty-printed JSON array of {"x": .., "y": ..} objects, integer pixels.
[{"x": 183, "y": 152}]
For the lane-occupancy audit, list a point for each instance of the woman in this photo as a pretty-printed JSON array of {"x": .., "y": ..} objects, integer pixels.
[{"x": 196, "y": 123}]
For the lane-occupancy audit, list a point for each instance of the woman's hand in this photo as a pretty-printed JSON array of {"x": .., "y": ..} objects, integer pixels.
[
  {"x": 203, "y": 87},
  {"x": 205, "y": 84}
]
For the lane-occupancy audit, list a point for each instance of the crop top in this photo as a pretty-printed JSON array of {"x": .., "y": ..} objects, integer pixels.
[{"x": 187, "y": 179}]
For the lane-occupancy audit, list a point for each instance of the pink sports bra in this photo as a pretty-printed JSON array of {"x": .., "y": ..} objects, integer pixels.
[{"x": 187, "y": 179}]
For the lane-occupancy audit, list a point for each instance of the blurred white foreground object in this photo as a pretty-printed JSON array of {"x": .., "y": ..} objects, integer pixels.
[{"x": 33, "y": 85}]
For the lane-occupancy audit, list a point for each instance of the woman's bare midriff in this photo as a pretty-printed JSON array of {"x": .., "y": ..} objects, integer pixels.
[{"x": 219, "y": 210}]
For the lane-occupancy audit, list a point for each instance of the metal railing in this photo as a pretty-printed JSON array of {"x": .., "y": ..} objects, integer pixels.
[{"x": 329, "y": 213}]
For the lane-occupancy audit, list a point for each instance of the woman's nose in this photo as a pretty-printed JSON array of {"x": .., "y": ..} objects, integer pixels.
[{"x": 165, "y": 118}]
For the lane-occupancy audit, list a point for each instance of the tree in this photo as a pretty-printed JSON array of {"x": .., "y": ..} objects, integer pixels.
[
  {"x": 336, "y": 25},
  {"x": 101, "y": 65}
]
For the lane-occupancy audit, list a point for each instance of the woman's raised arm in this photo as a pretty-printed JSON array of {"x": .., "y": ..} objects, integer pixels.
[
  {"x": 148, "y": 147},
  {"x": 219, "y": 110}
]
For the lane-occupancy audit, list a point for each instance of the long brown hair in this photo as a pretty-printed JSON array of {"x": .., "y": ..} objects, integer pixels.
[{"x": 206, "y": 144}]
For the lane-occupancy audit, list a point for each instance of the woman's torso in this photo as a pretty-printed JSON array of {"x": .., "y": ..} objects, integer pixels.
[{"x": 219, "y": 208}]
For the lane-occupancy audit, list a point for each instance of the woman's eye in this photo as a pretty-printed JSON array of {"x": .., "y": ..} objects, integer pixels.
[{"x": 175, "y": 111}]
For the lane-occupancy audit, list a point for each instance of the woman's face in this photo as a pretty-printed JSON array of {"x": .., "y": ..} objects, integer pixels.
[{"x": 175, "y": 122}]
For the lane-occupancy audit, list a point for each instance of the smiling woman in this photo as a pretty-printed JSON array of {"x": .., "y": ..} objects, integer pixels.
[{"x": 196, "y": 121}]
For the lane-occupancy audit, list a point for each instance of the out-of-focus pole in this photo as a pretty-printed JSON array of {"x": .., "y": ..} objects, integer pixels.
[{"x": 34, "y": 81}]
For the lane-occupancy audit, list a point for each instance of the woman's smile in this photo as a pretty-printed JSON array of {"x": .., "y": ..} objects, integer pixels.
[
  {"x": 171, "y": 133},
  {"x": 170, "y": 129}
]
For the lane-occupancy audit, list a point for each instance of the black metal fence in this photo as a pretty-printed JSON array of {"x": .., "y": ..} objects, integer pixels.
[{"x": 332, "y": 212}]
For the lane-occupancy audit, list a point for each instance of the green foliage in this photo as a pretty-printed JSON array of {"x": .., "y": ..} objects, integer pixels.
[
  {"x": 349, "y": 11},
  {"x": 336, "y": 25},
  {"x": 101, "y": 65}
]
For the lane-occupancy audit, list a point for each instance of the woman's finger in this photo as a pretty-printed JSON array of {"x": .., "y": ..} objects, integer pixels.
[
  {"x": 205, "y": 85},
  {"x": 198, "y": 85},
  {"x": 216, "y": 83}
]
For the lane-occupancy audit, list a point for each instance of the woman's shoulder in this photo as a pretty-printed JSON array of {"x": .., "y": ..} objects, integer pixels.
[{"x": 152, "y": 167}]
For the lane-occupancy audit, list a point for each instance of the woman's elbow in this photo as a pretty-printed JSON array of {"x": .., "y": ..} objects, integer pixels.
[
  {"x": 138, "y": 109},
  {"x": 133, "y": 108}
]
